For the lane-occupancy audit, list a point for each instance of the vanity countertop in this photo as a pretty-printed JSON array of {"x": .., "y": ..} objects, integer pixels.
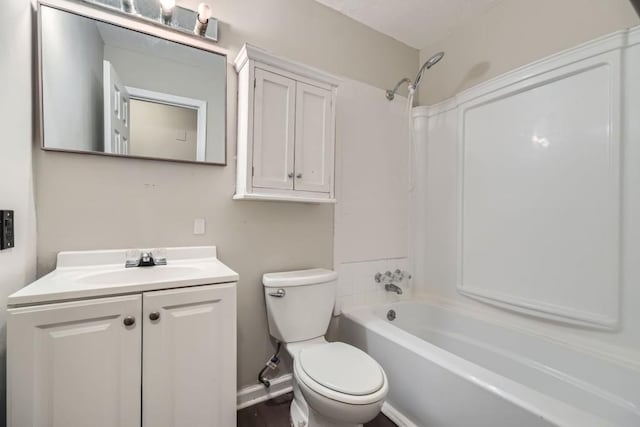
[{"x": 91, "y": 274}]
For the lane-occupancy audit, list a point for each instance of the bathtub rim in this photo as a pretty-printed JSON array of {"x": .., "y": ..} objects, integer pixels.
[
  {"x": 550, "y": 409},
  {"x": 506, "y": 318}
]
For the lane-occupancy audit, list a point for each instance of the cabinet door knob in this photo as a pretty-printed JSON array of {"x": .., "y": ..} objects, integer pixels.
[
  {"x": 290, "y": 175},
  {"x": 129, "y": 321},
  {"x": 154, "y": 315},
  {"x": 299, "y": 176}
]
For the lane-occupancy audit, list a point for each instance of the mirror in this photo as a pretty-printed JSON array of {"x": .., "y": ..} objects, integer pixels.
[{"x": 106, "y": 89}]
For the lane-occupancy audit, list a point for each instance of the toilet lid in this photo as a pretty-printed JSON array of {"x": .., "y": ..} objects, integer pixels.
[{"x": 342, "y": 368}]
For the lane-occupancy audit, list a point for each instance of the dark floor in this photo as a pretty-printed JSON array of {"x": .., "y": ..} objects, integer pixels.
[{"x": 275, "y": 413}]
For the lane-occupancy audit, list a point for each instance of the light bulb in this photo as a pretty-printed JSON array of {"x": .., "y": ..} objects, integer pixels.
[
  {"x": 167, "y": 5},
  {"x": 204, "y": 12},
  {"x": 166, "y": 9}
]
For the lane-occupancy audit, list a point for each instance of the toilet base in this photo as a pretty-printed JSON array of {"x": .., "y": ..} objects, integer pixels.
[{"x": 301, "y": 415}]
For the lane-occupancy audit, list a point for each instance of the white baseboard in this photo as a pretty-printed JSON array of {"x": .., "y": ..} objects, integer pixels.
[
  {"x": 254, "y": 394},
  {"x": 396, "y": 416}
]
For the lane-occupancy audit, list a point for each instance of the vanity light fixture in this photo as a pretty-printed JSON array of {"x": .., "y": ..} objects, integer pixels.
[
  {"x": 166, "y": 9},
  {"x": 195, "y": 22},
  {"x": 202, "y": 20}
]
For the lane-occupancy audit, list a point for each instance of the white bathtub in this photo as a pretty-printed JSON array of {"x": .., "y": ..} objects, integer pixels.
[{"x": 450, "y": 369}]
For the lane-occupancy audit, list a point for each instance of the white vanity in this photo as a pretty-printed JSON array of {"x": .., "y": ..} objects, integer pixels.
[{"x": 96, "y": 344}]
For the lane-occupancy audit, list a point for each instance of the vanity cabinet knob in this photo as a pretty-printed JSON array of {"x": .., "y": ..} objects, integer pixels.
[
  {"x": 153, "y": 316},
  {"x": 129, "y": 321},
  {"x": 290, "y": 175},
  {"x": 299, "y": 176}
]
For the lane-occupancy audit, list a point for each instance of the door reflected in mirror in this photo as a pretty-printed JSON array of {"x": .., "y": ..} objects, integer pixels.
[{"x": 111, "y": 90}]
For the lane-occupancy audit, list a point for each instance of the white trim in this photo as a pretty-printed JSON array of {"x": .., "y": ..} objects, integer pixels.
[
  {"x": 250, "y": 52},
  {"x": 252, "y": 395},
  {"x": 180, "y": 101},
  {"x": 634, "y": 36},
  {"x": 273, "y": 197},
  {"x": 396, "y": 416}
]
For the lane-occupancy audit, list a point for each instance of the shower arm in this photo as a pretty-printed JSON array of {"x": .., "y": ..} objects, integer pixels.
[{"x": 392, "y": 93}]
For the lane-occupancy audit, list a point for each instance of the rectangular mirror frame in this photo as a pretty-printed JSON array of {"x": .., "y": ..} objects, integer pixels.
[{"x": 128, "y": 22}]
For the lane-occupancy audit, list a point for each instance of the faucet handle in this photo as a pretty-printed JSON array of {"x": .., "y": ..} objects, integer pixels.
[
  {"x": 387, "y": 277},
  {"x": 132, "y": 258},
  {"x": 159, "y": 256},
  {"x": 400, "y": 275}
]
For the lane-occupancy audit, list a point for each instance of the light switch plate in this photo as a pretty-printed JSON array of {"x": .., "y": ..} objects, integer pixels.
[{"x": 199, "y": 226}]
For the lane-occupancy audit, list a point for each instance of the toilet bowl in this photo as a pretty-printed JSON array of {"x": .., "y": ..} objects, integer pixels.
[
  {"x": 340, "y": 384},
  {"x": 335, "y": 384}
]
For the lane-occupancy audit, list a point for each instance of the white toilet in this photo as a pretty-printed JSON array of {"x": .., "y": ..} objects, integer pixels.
[{"x": 335, "y": 384}]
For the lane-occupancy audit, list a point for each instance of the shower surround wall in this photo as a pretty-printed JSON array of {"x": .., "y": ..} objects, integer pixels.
[
  {"x": 372, "y": 188},
  {"x": 437, "y": 201}
]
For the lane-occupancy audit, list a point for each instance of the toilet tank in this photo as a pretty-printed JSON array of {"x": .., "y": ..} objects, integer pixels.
[{"x": 299, "y": 303}]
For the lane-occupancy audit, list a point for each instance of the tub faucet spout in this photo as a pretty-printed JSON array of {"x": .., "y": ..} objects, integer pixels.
[{"x": 390, "y": 287}]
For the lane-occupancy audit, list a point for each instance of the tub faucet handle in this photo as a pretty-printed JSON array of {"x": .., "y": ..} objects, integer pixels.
[
  {"x": 400, "y": 275},
  {"x": 386, "y": 277}
]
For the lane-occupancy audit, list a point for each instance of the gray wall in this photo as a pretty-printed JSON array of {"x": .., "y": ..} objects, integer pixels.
[
  {"x": 17, "y": 265},
  {"x": 514, "y": 33},
  {"x": 91, "y": 202},
  {"x": 72, "y": 81}
]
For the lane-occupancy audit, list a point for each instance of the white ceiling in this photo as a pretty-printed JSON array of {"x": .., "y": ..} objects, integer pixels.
[{"x": 416, "y": 23}]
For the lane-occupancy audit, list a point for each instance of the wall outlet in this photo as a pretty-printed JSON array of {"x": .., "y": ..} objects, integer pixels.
[{"x": 7, "y": 236}]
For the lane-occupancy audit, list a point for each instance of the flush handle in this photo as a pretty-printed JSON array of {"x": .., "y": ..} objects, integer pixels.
[{"x": 278, "y": 294}]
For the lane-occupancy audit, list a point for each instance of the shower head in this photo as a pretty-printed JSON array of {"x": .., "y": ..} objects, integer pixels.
[
  {"x": 413, "y": 86},
  {"x": 427, "y": 65}
]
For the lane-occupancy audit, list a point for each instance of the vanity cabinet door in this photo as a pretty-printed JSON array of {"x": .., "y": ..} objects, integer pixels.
[
  {"x": 75, "y": 364},
  {"x": 314, "y": 138},
  {"x": 273, "y": 131},
  {"x": 189, "y": 357}
]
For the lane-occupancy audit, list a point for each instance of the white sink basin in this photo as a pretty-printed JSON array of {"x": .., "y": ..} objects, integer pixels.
[
  {"x": 90, "y": 274},
  {"x": 127, "y": 276}
]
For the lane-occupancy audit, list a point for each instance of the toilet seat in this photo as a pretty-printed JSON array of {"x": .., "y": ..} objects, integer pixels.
[{"x": 341, "y": 372}]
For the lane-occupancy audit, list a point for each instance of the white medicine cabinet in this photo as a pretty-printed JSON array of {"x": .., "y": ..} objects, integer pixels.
[{"x": 286, "y": 129}]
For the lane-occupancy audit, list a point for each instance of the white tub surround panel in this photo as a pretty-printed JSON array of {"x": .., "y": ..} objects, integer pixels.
[
  {"x": 357, "y": 285},
  {"x": 539, "y": 167},
  {"x": 528, "y": 197},
  {"x": 286, "y": 129}
]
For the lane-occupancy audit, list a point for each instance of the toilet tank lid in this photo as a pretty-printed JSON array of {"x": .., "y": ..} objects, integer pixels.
[{"x": 298, "y": 278}]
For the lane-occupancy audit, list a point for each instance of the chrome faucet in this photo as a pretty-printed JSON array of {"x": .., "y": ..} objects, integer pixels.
[
  {"x": 145, "y": 259},
  {"x": 390, "y": 287}
]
